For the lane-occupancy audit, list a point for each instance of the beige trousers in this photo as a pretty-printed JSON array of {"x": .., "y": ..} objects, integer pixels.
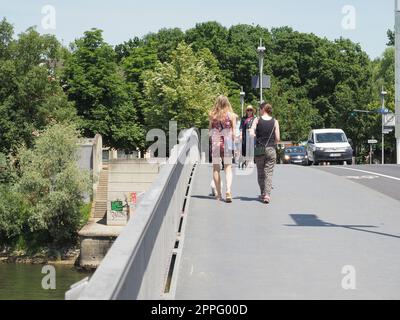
[{"x": 265, "y": 170}]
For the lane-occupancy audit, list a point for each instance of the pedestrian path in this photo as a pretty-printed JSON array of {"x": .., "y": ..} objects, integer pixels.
[{"x": 317, "y": 226}]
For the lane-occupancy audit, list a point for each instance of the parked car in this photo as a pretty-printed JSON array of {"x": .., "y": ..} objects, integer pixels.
[
  {"x": 329, "y": 145},
  {"x": 295, "y": 155}
]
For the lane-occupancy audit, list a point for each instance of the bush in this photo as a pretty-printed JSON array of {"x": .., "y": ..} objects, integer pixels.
[
  {"x": 13, "y": 214},
  {"x": 7, "y": 174},
  {"x": 85, "y": 213},
  {"x": 53, "y": 184}
]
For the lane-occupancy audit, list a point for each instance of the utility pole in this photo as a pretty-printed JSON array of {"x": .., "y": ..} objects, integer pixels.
[
  {"x": 397, "y": 76},
  {"x": 261, "y": 53},
  {"x": 383, "y": 94}
]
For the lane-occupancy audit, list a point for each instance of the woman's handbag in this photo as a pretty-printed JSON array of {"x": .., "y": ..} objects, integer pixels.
[{"x": 259, "y": 150}]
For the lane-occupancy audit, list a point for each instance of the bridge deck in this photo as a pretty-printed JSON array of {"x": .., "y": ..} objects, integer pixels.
[{"x": 294, "y": 248}]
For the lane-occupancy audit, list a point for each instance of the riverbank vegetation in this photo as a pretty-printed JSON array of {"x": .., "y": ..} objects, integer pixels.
[
  {"x": 51, "y": 95},
  {"x": 42, "y": 196}
]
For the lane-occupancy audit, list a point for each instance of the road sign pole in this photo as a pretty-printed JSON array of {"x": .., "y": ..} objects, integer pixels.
[
  {"x": 383, "y": 142},
  {"x": 383, "y": 94},
  {"x": 371, "y": 142},
  {"x": 261, "y": 78},
  {"x": 397, "y": 76},
  {"x": 370, "y": 154}
]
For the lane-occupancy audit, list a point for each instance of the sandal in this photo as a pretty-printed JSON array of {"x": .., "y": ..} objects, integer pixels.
[
  {"x": 267, "y": 199},
  {"x": 228, "y": 197},
  {"x": 218, "y": 196}
]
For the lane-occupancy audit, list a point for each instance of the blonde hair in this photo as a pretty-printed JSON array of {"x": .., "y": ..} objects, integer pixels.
[{"x": 221, "y": 108}]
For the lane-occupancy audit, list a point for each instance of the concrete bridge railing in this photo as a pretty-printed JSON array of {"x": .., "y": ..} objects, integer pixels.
[{"x": 136, "y": 266}]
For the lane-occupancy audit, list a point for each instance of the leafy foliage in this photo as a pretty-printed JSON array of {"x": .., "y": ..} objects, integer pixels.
[
  {"x": 97, "y": 86},
  {"x": 30, "y": 94},
  {"x": 181, "y": 90},
  {"x": 13, "y": 212},
  {"x": 391, "y": 36},
  {"x": 145, "y": 82},
  {"x": 52, "y": 183}
]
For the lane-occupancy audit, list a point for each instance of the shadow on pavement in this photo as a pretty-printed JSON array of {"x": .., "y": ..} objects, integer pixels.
[
  {"x": 311, "y": 220},
  {"x": 247, "y": 199},
  {"x": 210, "y": 197}
]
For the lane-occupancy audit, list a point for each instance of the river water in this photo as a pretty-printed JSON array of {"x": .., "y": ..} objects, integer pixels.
[{"x": 24, "y": 282}]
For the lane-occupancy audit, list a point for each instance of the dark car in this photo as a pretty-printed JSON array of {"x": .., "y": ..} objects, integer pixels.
[{"x": 295, "y": 155}]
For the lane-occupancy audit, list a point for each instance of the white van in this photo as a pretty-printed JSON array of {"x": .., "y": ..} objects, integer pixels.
[{"x": 329, "y": 145}]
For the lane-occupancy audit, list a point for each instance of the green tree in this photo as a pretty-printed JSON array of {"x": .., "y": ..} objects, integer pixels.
[
  {"x": 30, "y": 93},
  {"x": 295, "y": 113},
  {"x": 181, "y": 90},
  {"x": 210, "y": 35},
  {"x": 7, "y": 172},
  {"x": 384, "y": 76},
  {"x": 298, "y": 119},
  {"x": 6, "y": 38},
  {"x": 165, "y": 41},
  {"x": 102, "y": 96},
  {"x": 134, "y": 65},
  {"x": 241, "y": 58},
  {"x": 139, "y": 60},
  {"x": 52, "y": 183},
  {"x": 13, "y": 213},
  {"x": 124, "y": 49},
  {"x": 392, "y": 37}
]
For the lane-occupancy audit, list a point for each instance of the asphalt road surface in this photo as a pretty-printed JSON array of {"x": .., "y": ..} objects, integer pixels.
[
  {"x": 325, "y": 235},
  {"x": 381, "y": 178}
]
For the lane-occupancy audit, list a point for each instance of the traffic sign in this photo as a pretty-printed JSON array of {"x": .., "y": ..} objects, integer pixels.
[
  {"x": 255, "y": 82},
  {"x": 372, "y": 141},
  {"x": 383, "y": 111},
  {"x": 390, "y": 120}
]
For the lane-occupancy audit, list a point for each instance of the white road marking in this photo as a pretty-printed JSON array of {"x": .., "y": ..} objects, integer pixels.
[
  {"x": 362, "y": 177},
  {"x": 372, "y": 173}
]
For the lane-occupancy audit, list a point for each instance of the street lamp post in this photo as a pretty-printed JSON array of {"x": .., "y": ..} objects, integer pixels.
[
  {"x": 261, "y": 53},
  {"x": 383, "y": 94},
  {"x": 242, "y": 95},
  {"x": 397, "y": 77}
]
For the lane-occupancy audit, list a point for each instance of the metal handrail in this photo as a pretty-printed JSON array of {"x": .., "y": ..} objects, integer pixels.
[{"x": 136, "y": 265}]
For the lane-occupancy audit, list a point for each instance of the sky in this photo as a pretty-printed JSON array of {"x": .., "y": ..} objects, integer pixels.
[{"x": 363, "y": 21}]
